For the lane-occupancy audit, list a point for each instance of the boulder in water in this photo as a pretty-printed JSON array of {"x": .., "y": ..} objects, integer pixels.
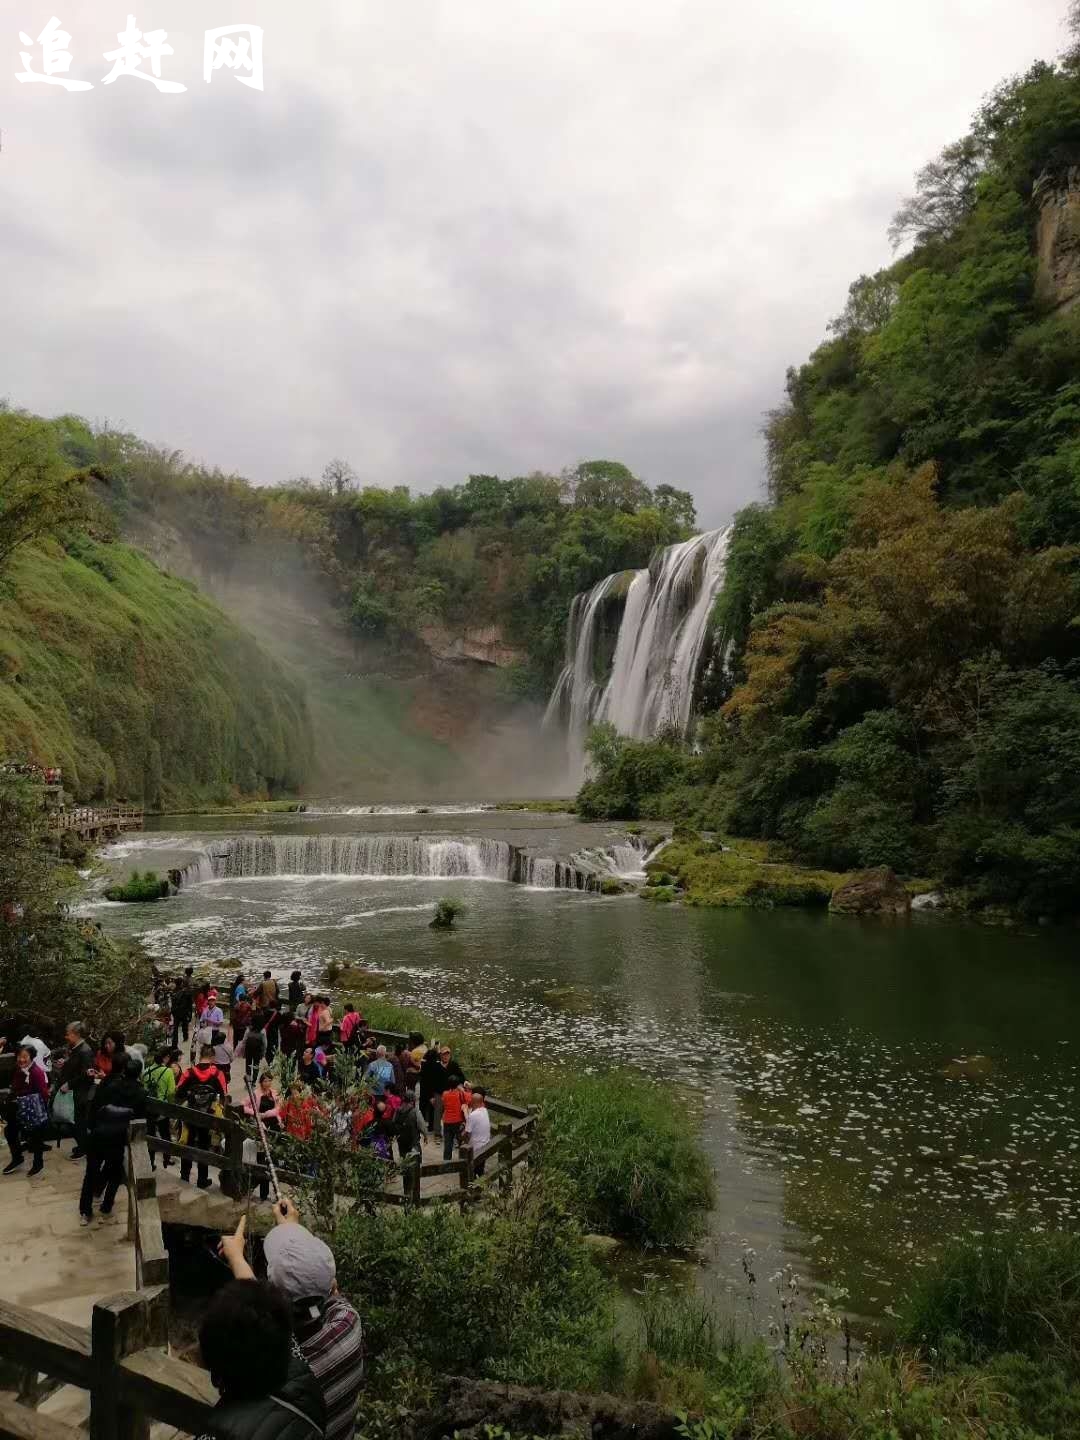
[
  {"x": 871, "y": 892},
  {"x": 929, "y": 900}
]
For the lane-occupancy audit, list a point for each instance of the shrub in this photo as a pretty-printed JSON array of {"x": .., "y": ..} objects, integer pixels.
[
  {"x": 512, "y": 1292},
  {"x": 628, "y": 1151},
  {"x": 139, "y": 888},
  {"x": 446, "y": 912},
  {"x": 1007, "y": 1292}
]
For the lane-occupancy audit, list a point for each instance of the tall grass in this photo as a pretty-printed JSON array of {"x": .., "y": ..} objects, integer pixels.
[
  {"x": 630, "y": 1149},
  {"x": 1009, "y": 1292}
]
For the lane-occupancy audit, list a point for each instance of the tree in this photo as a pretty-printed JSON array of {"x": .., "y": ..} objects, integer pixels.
[
  {"x": 945, "y": 193},
  {"x": 608, "y": 485},
  {"x": 38, "y": 490},
  {"x": 338, "y": 476},
  {"x": 676, "y": 506}
]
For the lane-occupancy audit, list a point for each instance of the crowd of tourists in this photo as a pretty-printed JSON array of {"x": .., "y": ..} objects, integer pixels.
[
  {"x": 301, "y": 1066},
  {"x": 285, "y": 1352}
]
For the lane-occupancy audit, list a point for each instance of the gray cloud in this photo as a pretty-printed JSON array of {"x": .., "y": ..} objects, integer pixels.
[{"x": 470, "y": 235}]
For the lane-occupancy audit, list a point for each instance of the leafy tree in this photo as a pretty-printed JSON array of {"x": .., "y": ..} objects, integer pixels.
[
  {"x": 38, "y": 490},
  {"x": 339, "y": 477},
  {"x": 677, "y": 506},
  {"x": 609, "y": 485}
]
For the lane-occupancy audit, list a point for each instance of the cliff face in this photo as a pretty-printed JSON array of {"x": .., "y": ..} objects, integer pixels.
[
  {"x": 1058, "y": 242},
  {"x": 483, "y": 644}
]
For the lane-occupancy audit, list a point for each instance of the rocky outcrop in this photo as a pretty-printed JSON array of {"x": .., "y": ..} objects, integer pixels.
[
  {"x": 1057, "y": 283},
  {"x": 871, "y": 892},
  {"x": 473, "y": 1407},
  {"x": 483, "y": 644}
]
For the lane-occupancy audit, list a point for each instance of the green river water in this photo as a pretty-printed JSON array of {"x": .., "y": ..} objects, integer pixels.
[{"x": 818, "y": 1043}]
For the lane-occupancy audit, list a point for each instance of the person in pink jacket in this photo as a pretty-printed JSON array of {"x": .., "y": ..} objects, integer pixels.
[{"x": 29, "y": 1080}]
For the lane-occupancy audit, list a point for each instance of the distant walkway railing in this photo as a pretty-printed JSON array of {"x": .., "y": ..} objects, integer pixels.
[{"x": 86, "y": 820}]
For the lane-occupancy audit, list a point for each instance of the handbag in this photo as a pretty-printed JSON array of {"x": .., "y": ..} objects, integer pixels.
[
  {"x": 63, "y": 1107},
  {"x": 32, "y": 1111}
]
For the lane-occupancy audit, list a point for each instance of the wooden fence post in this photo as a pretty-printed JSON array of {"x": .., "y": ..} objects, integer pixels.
[
  {"x": 232, "y": 1169},
  {"x": 120, "y": 1327}
]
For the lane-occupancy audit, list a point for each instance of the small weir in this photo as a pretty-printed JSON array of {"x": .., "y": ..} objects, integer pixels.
[{"x": 412, "y": 857}]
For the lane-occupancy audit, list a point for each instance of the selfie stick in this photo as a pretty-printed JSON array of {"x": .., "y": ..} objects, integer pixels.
[{"x": 265, "y": 1141}]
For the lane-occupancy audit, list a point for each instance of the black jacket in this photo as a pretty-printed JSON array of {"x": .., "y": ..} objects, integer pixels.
[
  {"x": 118, "y": 1101},
  {"x": 296, "y": 1411},
  {"x": 74, "y": 1074}
]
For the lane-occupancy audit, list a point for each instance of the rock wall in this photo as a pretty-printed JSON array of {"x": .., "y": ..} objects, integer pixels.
[
  {"x": 483, "y": 644},
  {"x": 1057, "y": 283}
]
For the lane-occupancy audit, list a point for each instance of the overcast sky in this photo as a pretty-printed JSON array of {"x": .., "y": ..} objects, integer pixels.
[{"x": 470, "y": 235}]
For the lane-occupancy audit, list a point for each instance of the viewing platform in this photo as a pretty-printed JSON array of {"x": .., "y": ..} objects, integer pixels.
[{"x": 94, "y": 824}]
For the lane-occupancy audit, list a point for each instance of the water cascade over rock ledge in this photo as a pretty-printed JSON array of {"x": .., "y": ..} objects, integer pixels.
[
  {"x": 658, "y": 621},
  {"x": 415, "y": 857}
]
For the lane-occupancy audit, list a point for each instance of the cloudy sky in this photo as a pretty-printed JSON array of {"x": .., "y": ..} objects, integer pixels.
[{"x": 469, "y": 235}]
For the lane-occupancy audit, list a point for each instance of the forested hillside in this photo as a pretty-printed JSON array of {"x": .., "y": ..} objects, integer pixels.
[
  {"x": 902, "y": 615},
  {"x": 130, "y": 679}
]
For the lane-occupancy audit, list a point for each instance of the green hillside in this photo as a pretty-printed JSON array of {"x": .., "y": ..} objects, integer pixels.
[{"x": 137, "y": 684}]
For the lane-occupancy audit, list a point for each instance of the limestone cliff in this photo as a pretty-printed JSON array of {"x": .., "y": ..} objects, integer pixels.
[{"x": 1058, "y": 241}]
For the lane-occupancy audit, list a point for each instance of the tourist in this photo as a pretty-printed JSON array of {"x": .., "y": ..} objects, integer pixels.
[
  {"x": 42, "y": 1053},
  {"x": 296, "y": 990},
  {"x": 408, "y": 1129},
  {"x": 111, "y": 1055},
  {"x": 266, "y": 1389},
  {"x": 212, "y": 1015},
  {"x": 242, "y": 1012},
  {"x": 269, "y": 1108},
  {"x": 397, "y": 1060},
  {"x": 314, "y": 1020},
  {"x": 253, "y": 1049},
  {"x": 223, "y": 1054},
  {"x": 326, "y": 1021},
  {"x": 272, "y": 1027},
  {"x": 292, "y": 1036},
  {"x": 183, "y": 1003},
  {"x": 349, "y": 1022},
  {"x": 326, "y": 1327},
  {"x": 309, "y": 1069},
  {"x": 478, "y": 1127},
  {"x": 77, "y": 1077},
  {"x": 380, "y": 1072},
  {"x": 200, "y": 1088},
  {"x": 266, "y": 992},
  {"x": 160, "y": 1080},
  {"x": 299, "y": 1112},
  {"x": 119, "y": 1099},
  {"x": 453, "y": 1116},
  {"x": 27, "y": 1111},
  {"x": 236, "y": 989},
  {"x": 454, "y": 1072},
  {"x": 431, "y": 1083}
]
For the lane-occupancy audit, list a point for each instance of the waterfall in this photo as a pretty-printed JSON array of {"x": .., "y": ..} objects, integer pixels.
[
  {"x": 661, "y": 636},
  {"x": 375, "y": 856}
]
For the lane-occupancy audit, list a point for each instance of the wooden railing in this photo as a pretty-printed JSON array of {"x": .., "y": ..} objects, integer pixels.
[
  {"x": 122, "y": 1360},
  {"x": 510, "y": 1145},
  {"x": 86, "y": 817},
  {"x": 144, "y": 1217}
]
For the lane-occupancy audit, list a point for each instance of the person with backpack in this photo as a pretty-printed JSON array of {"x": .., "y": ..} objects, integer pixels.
[
  {"x": 453, "y": 1115},
  {"x": 120, "y": 1098},
  {"x": 160, "y": 1081},
  {"x": 242, "y": 1012},
  {"x": 266, "y": 991},
  {"x": 253, "y": 1049},
  {"x": 200, "y": 1088}
]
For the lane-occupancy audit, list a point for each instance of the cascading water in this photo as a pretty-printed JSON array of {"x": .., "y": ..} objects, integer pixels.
[
  {"x": 415, "y": 857},
  {"x": 661, "y": 636},
  {"x": 374, "y": 856}
]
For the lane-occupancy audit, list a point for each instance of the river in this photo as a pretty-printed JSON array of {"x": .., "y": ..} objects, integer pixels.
[{"x": 821, "y": 1045}]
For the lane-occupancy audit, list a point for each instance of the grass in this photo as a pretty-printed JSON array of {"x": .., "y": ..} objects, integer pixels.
[
  {"x": 1011, "y": 1293},
  {"x": 702, "y": 873},
  {"x": 138, "y": 685}
]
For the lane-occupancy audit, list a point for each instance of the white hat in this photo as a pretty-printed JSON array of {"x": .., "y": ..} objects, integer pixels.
[{"x": 299, "y": 1263}]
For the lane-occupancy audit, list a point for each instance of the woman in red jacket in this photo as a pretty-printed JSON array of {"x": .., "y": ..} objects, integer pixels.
[{"x": 27, "y": 1111}]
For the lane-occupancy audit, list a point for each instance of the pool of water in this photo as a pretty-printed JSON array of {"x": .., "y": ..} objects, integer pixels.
[{"x": 822, "y": 1047}]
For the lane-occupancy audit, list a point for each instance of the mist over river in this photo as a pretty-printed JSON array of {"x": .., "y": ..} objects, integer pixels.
[{"x": 820, "y": 1045}]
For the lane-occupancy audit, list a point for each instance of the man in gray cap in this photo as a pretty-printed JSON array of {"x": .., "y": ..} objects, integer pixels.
[{"x": 325, "y": 1325}]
